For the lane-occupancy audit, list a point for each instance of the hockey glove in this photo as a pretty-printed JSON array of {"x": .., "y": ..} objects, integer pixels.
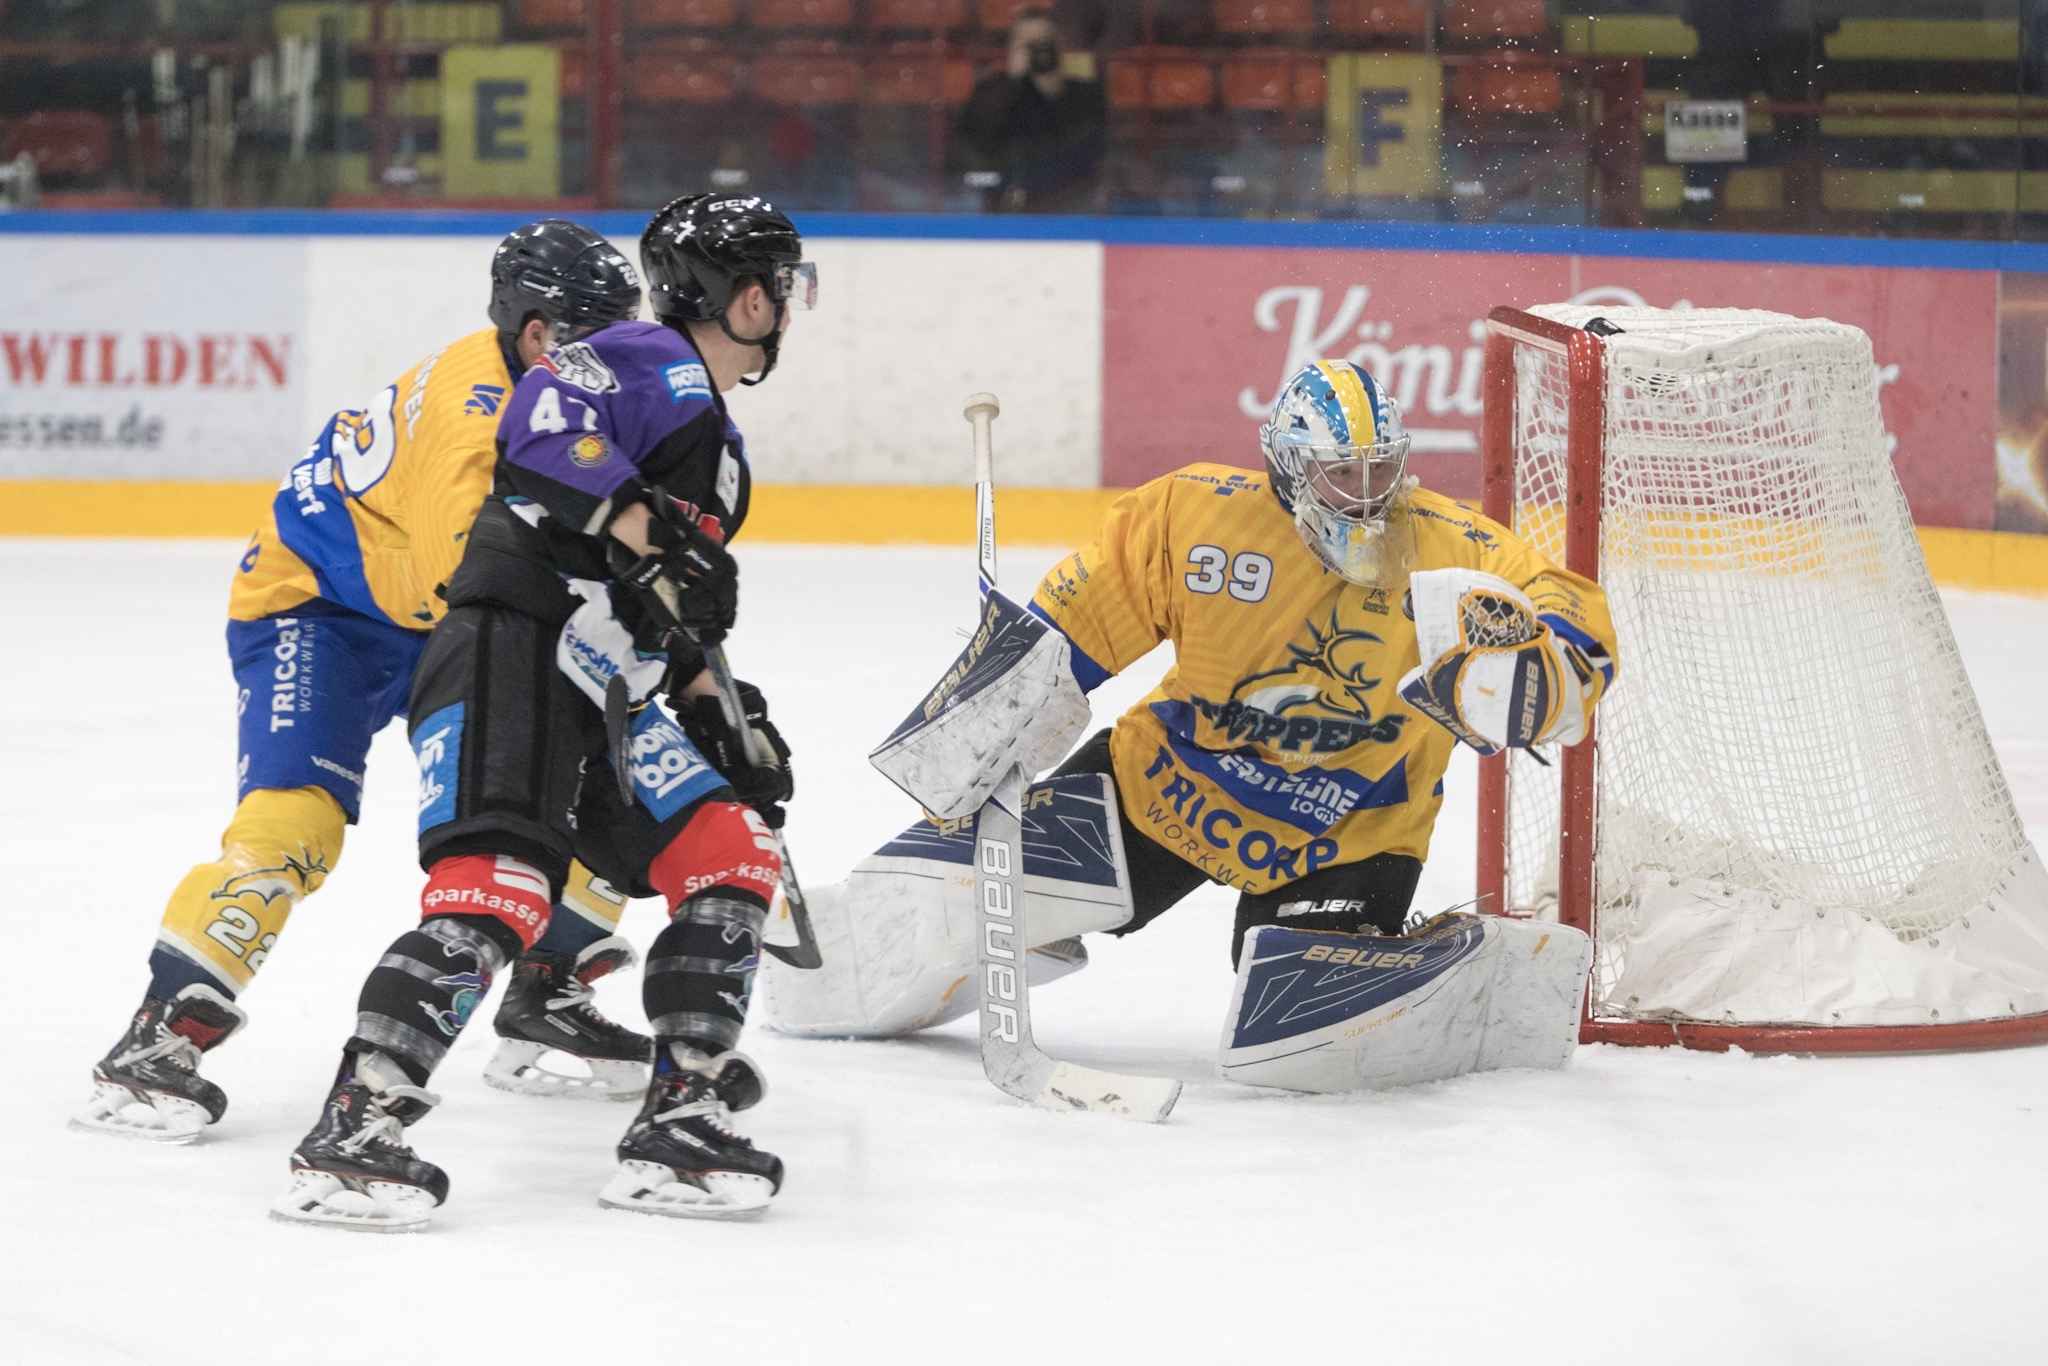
[
  {"x": 765, "y": 787},
  {"x": 1492, "y": 674},
  {"x": 689, "y": 582}
]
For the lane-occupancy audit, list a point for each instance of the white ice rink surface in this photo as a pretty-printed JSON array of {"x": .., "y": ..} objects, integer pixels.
[{"x": 1641, "y": 1207}]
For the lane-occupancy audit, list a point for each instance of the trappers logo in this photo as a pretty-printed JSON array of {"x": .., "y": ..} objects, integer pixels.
[{"x": 1315, "y": 703}]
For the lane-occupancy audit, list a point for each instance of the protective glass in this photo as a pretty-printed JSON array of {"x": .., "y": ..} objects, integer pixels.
[{"x": 797, "y": 285}]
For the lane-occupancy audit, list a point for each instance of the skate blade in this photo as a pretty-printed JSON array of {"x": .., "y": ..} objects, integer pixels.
[
  {"x": 323, "y": 1200},
  {"x": 650, "y": 1188},
  {"x": 516, "y": 1067},
  {"x": 115, "y": 1110}
]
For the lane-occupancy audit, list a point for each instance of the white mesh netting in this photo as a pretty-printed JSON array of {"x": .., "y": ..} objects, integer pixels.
[{"x": 1799, "y": 813}]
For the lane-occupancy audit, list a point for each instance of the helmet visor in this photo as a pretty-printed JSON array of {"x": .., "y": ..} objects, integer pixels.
[{"x": 797, "y": 285}]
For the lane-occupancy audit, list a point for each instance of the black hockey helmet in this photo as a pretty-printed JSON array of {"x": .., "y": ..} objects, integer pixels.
[
  {"x": 573, "y": 278},
  {"x": 699, "y": 250}
]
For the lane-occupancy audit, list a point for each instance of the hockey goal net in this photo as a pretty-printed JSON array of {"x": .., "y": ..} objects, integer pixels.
[{"x": 1790, "y": 832}]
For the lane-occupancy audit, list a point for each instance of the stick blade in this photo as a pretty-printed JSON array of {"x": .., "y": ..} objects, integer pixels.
[{"x": 1148, "y": 1100}]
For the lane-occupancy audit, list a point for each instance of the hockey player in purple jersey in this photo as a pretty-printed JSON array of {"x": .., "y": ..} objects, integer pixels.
[{"x": 599, "y": 555}]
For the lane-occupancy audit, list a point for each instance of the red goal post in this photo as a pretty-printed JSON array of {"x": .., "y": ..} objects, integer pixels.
[{"x": 1549, "y": 387}]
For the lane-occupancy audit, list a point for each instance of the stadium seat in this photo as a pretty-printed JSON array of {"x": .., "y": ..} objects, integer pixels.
[
  {"x": 1163, "y": 79},
  {"x": 554, "y": 14},
  {"x": 1494, "y": 21},
  {"x": 915, "y": 77},
  {"x": 1264, "y": 18},
  {"x": 683, "y": 13},
  {"x": 681, "y": 75},
  {"x": 1274, "y": 82},
  {"x": 1492, "y": 89},
  {"x": 1380, "y": 18},
  {"x": 916, "y": 14},
  {"x": 997, "y": 14},
  {"x": 807, "y": 78},
  {"x": 802, "y": 13},
  {"x": 72, "y": 144}
]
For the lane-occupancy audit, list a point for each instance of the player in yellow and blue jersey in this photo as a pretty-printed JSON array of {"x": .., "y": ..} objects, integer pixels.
[
  {"x": 329, "y": 610},
  {"x": 1337, "y": 631}
]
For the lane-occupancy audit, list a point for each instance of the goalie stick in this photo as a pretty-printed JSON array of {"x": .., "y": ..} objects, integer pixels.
[{"x": 1009, "y": 1054}]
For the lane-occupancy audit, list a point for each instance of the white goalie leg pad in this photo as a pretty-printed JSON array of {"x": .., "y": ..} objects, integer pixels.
[
  {"x": 1320, "y": 1011},
  {"x": 1009, "y": 699},
  {"x": 898, "y": 936}
]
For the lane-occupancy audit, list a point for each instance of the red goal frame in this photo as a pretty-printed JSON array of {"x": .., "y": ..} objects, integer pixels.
[{"x": 1586, "y": 380}]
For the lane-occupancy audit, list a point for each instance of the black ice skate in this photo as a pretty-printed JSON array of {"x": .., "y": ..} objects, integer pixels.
[
  {"x": 549, "y": 1009},
  {"x": 682, "y": 1157},
  {"x": 355, "y": 1169},
  {"x": 148, "y": 1085}
]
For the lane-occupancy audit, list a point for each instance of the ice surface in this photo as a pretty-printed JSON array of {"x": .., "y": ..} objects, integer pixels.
[{"x": 1642, "y": 1207}]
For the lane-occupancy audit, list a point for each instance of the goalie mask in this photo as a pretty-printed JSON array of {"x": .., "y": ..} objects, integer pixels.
[{"x": 1337, "y": 453}]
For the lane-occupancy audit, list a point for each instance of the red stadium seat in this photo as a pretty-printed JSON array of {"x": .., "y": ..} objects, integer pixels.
[
  {"x": 75, "y": 144},
  {"x": 554, "y": 14},
  {"x": 802, "y": 13},
  {"x": 924, "y": 14},
  {"x": 996, "y": 15},
  {"x": 807, "y": 78},
  {"x": 692, "y": 75},
  {"x": 1164, "y": 79},
  {"x": 1261, "y": 17},
  {"x": 1504, "y": 88},
  {"x": 1380, "y": 18},
  {"x": 1278, "y": 82},
  {"x": 915, "y": 77},
  {"x": 1491, "y": 21},
  {"x": 683, "y": 13}
]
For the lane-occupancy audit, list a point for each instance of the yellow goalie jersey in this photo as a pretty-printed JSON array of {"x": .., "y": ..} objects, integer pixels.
[
  {"x": 1277, "y": 743},
  {"x": 374, "y": 515}
]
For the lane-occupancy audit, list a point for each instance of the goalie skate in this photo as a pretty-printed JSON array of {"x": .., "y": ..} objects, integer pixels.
[
  {"x": 148, "y": 1086},
  {"x": 682, "y": 1159},
  {"x": 355, "y": 1170},
  {"x": 553, "y": 1040}
]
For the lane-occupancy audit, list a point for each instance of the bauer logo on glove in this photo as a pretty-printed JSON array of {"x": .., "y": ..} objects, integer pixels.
[{"x": 1493, "y": 674}]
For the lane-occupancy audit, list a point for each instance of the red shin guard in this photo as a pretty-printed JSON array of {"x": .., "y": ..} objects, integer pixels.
[
  {"x": 503, "y": 888},
  {"x": 725, "y": 845}
]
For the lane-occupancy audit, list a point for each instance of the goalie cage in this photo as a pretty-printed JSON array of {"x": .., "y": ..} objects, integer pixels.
[{"x": 1790, "y": 832}]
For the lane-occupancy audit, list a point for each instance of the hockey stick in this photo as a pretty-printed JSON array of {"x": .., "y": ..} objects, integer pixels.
[
  {"x": 805, "y": 952},
  {"x": 1009, "y": 1054},
  {"x": 617, "y": 721}
]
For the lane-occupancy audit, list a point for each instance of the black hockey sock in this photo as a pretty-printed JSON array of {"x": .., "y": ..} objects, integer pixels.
[
  {"x": 420, "y": 995},
  {"x": 570, "y": 933},
  {"x": 700, "y": 971}
]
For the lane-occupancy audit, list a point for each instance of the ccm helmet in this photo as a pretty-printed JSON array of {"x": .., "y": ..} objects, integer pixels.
[
  {"x": 1337, "y": 454},
  {"x": 566, "y": 274},
  {"x": 699, "y": 250}
]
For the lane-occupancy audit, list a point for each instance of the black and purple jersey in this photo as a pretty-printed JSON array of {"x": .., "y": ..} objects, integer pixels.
[{"x": 629, "y": 406}]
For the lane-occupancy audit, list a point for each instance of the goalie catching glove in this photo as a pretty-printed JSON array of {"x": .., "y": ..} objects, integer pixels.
[
  {"x": 689, "y": 582},
  {"x": 1493, "y": 674},
  {"x": 764, "y": 786}
]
